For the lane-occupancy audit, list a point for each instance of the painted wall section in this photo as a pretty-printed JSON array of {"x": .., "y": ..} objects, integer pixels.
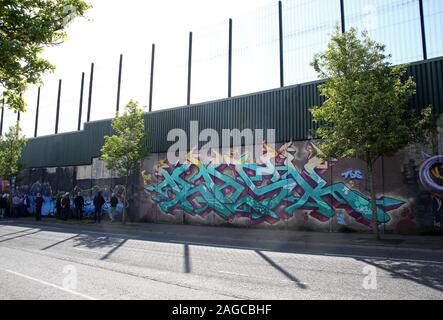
[
  {"x": 288, "y": 187},
  {"x": 269, "y": 191}
]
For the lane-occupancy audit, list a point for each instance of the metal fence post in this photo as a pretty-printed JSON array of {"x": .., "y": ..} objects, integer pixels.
[
  {"x": 230, "y": 60},
  {"x": 189, "y": 68},
  {"x": 81, "y": 102},
  {"x": 58, "y": 105},
  {"x": 37, "y": 113},
  {"x": 423, "y": 30},
  {"x": 280, "y": 31},
  {"x": 119, "y": 82},
  {"x": 151, "y": 85},
  {"x": 91, "y": 80},
  {"x": 342, "y": 14}
]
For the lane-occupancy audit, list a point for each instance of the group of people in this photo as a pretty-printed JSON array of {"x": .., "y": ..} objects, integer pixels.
[
  {"x": 16, "y": 206},
  {"x": 63, "y": 207}
]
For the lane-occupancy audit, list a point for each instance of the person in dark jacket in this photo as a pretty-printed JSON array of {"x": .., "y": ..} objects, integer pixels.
[
  {"x": 79, "y": 203},
  {"x": 99, "y": 201},
  {"x": 113, "y": 209},
  {"x": 26, "y": 204},
  {"x": 3, "y": 205},
  {"x": 66, "y": 206},
  {"x": 58, "y": 206},
  {"x": 38, "y": 207}
]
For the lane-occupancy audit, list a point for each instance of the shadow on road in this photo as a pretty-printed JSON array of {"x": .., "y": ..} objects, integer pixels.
[
  {"x": 59, "y": 242},
  {"x": 421, "y": 273},
  {"x": 95, "y": 242},
  {"x": 12, "y": 233},
  {"x": 21, "y": 236},
  {"x": 186, "y": 259},
  {"x": 110, "y": 252},
  {"x": 282, "y": 270}
]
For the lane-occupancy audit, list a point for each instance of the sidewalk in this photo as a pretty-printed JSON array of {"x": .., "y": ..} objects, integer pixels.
[{"x": 204, "y": 233}]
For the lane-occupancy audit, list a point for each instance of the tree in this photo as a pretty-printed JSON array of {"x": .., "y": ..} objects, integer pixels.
[
  {"x": 26, "y": 27},
  {"x": 124, "y": 151},
  {"x": 366, "y": 114},
  {"x": 11, "y": 147}
]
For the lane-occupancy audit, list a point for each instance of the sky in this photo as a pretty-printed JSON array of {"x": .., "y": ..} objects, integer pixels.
[{"x": 129, "y": 27}]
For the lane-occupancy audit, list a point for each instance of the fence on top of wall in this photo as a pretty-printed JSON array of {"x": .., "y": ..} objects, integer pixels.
[
  {"x": 268, "y": 48},
  {"x": 286, "y": 110}
]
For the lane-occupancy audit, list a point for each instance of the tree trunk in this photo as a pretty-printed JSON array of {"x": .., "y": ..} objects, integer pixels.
[
  {"x": 125, "y": 200},
  {"x": 373, "y": 200}
]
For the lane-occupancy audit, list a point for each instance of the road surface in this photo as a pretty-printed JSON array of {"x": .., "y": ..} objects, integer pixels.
[{"x": 58, "y": 262}]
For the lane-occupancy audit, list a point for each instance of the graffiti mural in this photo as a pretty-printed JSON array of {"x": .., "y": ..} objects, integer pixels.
[
  {"x": 50, "y": 197},
  {"x": 353, "y": 175},
  {"x": 431, "y": 177},
  {"x": 270, "y": 190}
]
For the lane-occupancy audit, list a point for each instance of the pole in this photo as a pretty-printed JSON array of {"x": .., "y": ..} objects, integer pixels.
[
  {"x": 81, "y": 102},
  {"x": 189, "y": 68},
  {"x": 2, "y": 117},
  {"x": 280, "y": 26},
  {"x": 37, "y": 112},
  {"x": 342, "y": 14},
  {"x": 151, "y": 86},
  {"x": 423, "y": 30},
  {"x": 230, "y": 60},
  {"x": 119, "y": 82},
  {"x": 58, "y": 105},
  {"x": 91, "y": 80}
]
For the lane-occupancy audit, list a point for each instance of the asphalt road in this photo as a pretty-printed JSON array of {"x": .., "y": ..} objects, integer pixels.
[{"x": 40, "y": 262}]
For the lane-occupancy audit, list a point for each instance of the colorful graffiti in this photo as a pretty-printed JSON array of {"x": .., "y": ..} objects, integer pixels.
[
  {"x": 353, "y": 175},
  {"x": 271, "y": 190},
  {"x": 431, "y": 176}
]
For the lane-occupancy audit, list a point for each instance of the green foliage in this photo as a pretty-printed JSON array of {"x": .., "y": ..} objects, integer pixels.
[
  {"x": 124, "y": 151},
  {"x": 366, "y": 113},
  {"x": 26, "y": 27},
  {"x": 11, "y": 147}
]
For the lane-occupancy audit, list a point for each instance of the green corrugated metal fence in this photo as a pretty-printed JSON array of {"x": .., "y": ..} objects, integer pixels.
[{"x": 286, "y": 110}]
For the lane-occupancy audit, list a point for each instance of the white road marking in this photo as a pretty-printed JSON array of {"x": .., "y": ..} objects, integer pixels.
[
  {"x": 89, "y": 250},
  {"x": 50, "y": 285},
  {"x": 383, "y": 258}
]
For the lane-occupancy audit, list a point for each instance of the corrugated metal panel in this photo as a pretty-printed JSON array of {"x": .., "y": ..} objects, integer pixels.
[{"x": 286, "y": 110}]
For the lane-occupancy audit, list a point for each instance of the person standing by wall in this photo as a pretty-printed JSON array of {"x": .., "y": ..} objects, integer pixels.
[
  {"x": 66, "y": 206},
  {"x": 26, "y": 205},
  {"x": 16, "y": 206},
  {"x": 79, "y": 203},
  {"x": 113, "y": 209},
  {"x": 38, "y": 207},
  {"x": 58, "y": 206},
  {"x": 99, "y": 201},
  {"x": 3, "y": 204}
]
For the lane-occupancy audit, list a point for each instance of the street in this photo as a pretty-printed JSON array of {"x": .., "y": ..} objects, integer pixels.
[{"x": 73, "y": 262}]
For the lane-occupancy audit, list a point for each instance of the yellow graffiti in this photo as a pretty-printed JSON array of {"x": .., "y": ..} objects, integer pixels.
[{"x": 436, "y": 173}]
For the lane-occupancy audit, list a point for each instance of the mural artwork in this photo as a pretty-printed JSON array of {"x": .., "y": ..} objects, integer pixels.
[
  {"x": 431, "y": 177},
  {"x": 269, "y": 190},
  {"x": 50, "y": 197}
]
